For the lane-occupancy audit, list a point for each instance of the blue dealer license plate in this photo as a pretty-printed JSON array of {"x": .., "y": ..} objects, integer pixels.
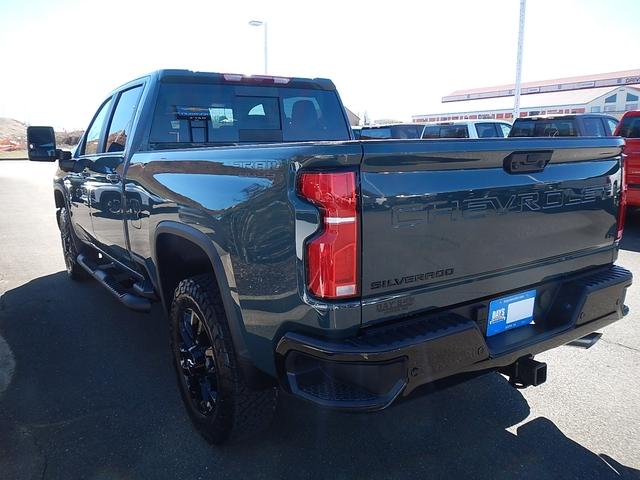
[{"x": 510, "y": 312}]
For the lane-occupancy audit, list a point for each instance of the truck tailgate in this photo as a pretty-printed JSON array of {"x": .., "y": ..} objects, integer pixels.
[{"x": 450, "y": 221}]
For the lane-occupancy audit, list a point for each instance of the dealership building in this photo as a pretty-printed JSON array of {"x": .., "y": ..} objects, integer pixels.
[{"x": 611, "y": 93}]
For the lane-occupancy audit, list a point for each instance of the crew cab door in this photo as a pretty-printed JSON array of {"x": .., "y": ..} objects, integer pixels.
[
  {"x": 78, "y": 182},
  {"x": 108, "y": 202}
]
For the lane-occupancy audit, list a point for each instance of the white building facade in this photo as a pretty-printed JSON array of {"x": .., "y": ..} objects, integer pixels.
[{"x": 552, "y": 97}]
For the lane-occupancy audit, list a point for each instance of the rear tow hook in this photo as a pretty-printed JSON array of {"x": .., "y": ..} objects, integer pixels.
[{"x": 525, "y": 372}]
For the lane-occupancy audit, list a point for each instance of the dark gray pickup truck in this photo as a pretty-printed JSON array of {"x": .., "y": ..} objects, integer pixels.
[{"x": 288, "y": 255}]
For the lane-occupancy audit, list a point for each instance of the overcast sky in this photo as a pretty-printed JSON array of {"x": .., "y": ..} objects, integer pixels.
[{"x": 393, "y": 59}]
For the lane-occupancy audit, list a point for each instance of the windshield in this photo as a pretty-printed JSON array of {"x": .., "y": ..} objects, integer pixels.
[{"x": 209, "y": 114}]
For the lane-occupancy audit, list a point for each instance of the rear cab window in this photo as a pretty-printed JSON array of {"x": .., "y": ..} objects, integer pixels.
[
  {"x": 630, "y": 127},
  {"x": 488, "y": 130},
  {"x": 375, "y": 133},
  {"x": 593, "y": 127},
  {"x": 391, "y": 132},
  {"x": 544, "y": 127},
  {"x": 445, "y": 131},
  {"x": 200, "y": 114}
]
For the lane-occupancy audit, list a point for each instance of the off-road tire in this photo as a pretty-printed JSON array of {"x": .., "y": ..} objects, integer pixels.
[
  {"x": 69, "y": 247},
  {"x": 240, "y": 411}
]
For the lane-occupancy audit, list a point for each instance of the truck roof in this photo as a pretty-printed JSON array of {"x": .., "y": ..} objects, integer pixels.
[
  {"x": 190, "y": 76},
  {"x": 470, "y": 122},
  {"x": 569, "y": 116},
  {"x": 387, "y": 125}
]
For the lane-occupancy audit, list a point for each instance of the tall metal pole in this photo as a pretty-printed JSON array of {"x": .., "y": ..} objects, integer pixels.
[
  {"x": 266, "y": 71},
  {"x": 260, "y": 23},
  {"x": 516, "y": 94}
]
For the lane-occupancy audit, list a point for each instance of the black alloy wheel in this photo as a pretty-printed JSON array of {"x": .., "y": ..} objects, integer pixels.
[
  {"x": 222, "y": 406},
  {"x": 197, "y": 361}
]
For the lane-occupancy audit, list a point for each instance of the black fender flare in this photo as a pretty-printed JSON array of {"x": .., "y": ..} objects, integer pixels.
[{"x": 253, "y": 376}]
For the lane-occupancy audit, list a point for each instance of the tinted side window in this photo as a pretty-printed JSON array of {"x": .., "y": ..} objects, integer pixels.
[
  {"x": 375, "y": 133},
  {"x": 122, "y": 118},
  {"x": 544, "y": 128},
  {"x": 454, "y": 131},
  {"x": 91, "y": 143},
  {"x": 612, "y": 124},
  {"x": 505, "y": 129},
  {"x": 445, "y": 131},
  {"x": 593, "y": 127},
  {"x": 431, "y": 131},
  {"x": 487, "y": 130},
  {"x": 406, "y": 131},
  {"x": 630, "y": 127}
]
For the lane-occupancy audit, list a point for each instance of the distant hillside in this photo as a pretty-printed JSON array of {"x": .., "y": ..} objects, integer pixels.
[{"x": 13, "y": 136}]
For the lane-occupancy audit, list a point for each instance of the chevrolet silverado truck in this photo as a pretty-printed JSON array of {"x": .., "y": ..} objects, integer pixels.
[{"x": 287, "y": 255}]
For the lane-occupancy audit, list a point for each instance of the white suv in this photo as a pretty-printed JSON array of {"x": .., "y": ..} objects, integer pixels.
[{"x": 467, "y": 129}]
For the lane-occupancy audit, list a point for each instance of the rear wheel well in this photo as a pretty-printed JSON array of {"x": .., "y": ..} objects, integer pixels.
[{"x": 178, "y": 258}]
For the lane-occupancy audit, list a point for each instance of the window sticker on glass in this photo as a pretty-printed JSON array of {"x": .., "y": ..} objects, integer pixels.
[{"x": 192, "y": 113}]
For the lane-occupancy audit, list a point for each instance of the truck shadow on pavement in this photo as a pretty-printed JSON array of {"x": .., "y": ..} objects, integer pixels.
[{"x": 94, "y": 396}]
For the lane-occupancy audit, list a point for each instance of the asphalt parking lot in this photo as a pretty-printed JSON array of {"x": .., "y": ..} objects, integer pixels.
[{"x": 87, "y": 390}]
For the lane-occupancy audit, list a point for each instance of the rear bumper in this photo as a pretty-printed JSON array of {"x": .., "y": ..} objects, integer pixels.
[{"x": 369, "y": 371}]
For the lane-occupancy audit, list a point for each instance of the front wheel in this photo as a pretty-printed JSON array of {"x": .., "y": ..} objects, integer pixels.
[
  {"x": 69, "y": 249},
  {"x": 219, "y": 402}
]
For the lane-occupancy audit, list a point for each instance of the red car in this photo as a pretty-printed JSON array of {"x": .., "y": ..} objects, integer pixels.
[{"x": 629, "y": 128}]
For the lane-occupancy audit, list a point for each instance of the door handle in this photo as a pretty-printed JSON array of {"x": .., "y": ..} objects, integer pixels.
[{"x": 113, "y": 177}]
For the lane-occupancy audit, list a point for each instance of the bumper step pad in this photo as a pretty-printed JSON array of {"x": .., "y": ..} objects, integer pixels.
[{"x": 368, "y": 371}]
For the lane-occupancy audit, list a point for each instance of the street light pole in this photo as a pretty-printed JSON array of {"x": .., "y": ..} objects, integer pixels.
[
  {"x": 260, "y": 23},
  {"x": 516, "y": 93}
]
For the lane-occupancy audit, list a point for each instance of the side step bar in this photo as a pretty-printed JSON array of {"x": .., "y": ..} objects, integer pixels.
[{"x": 130, "y": 300}]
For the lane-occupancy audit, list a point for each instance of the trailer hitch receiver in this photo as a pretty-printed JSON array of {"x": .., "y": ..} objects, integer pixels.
[{"x": 525, "y": 372}]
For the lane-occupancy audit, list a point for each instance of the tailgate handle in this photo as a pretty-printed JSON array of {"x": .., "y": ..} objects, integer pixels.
[{"x": 527, "y": 162}]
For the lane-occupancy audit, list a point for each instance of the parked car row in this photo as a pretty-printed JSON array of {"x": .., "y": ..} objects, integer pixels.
[
  {"x": 576, "y": 125},
  {"x": 455, "y": 129}
]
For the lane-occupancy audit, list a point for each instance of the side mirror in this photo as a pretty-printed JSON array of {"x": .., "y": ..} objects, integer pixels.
[{"x": 41, "y": 144}]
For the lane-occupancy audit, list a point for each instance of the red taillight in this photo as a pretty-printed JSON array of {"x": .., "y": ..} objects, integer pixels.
[
  {"x": 622, "y": 208},
  {"x": 332, "y": 256}
]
